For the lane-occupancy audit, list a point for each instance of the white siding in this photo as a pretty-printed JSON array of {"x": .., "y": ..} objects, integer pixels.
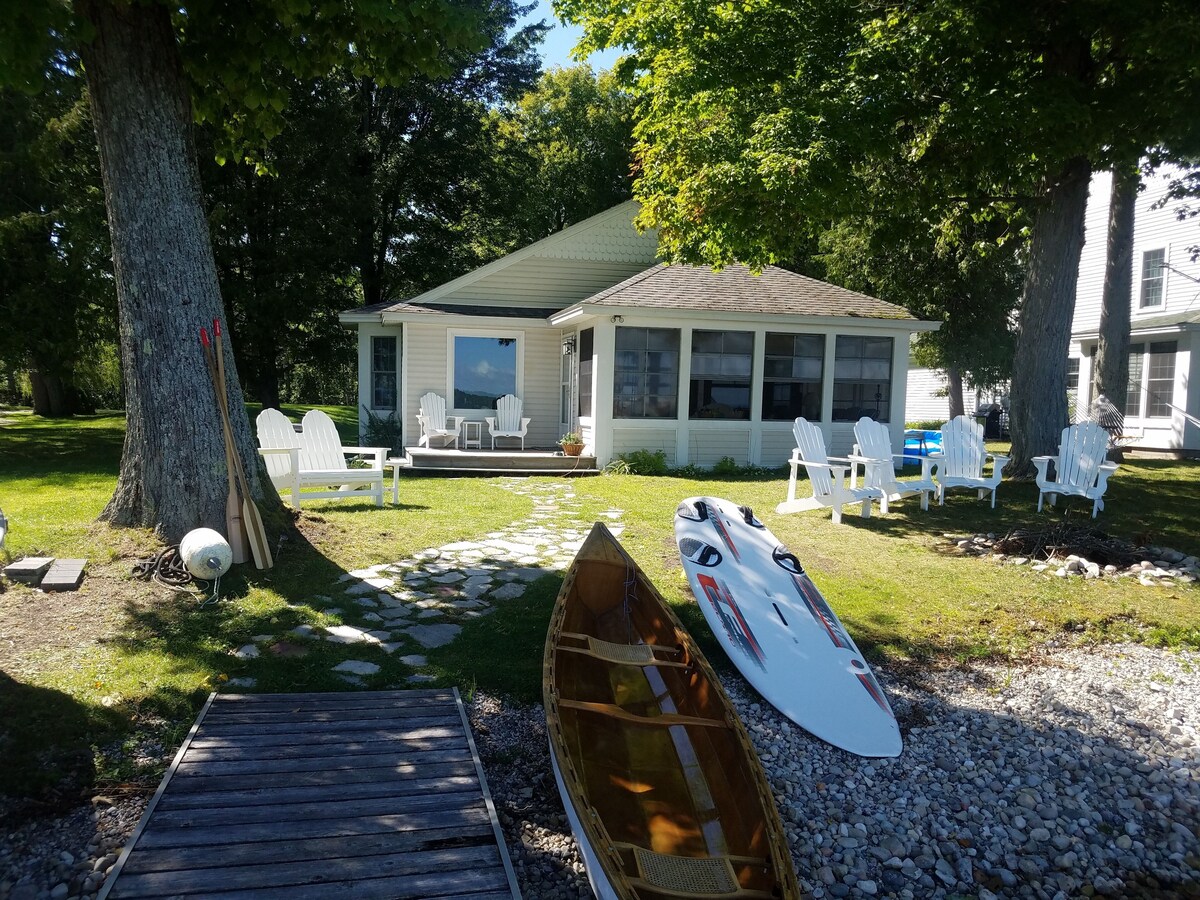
[
  {"x": 1153, "y": 229},
  {"x": 927, "y": 400},
  {"x": 625, "y": 439},
  {"x": 709, "y": 442},
  {"x": 546, "y": 283},
  {"x": 777, "y": 443}
]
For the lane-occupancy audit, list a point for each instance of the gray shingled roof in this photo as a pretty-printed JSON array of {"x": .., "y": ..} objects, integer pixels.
[
  {"x": 458, "y": 309},
  {"x": 735, "y": 289},
  {"x": 1187, "y": 317}
]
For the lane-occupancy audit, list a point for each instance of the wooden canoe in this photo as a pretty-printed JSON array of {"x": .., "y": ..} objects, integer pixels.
[{"x": 657, "y": 773}]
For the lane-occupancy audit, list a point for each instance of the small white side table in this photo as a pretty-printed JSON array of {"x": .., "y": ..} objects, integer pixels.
[
  {"x": 472, "y": 434},
  {"x": 396, "y": 463}
]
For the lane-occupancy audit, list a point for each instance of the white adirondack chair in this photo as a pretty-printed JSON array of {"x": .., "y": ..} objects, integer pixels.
[
  {"x": 962, "y": 458},
  {"x": 874, "y": 450},
  {"x": 832, "y": 485},
  {"x": 507, "y": 422},
  {"x": 316, "y": 458},
  {"x": 435, "y": 423},
  {"x": 1081, "y": 468}
]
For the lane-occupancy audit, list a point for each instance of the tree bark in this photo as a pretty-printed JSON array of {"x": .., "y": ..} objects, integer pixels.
[
  {"x": 954, "y": 391},
  {"x": 49, "y": 394},
  {"x": 173, "y": 463},
  {"x": 1039, "y": 386},
  {"x": 1110, "y": 375}
]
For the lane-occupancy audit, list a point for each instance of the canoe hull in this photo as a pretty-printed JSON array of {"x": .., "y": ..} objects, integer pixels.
[{"x": 658, "y": 776}]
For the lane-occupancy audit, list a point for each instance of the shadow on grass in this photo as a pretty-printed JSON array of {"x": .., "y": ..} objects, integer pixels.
[{"x": 45, "y": 746}]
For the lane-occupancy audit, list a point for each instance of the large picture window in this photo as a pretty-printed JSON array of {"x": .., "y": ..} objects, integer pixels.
[
  {"x": 721, "y": 362},
  {"x": 1151, "y": 380},
  {"x": 383, "y": 373},
  {"x": 862, "y": 378},
  {"x": 646, "y": 376},
  {"x": 485, "y": 369},
  {"x": 1152, "y": 278},
  {"x": 792, "y": 374}
]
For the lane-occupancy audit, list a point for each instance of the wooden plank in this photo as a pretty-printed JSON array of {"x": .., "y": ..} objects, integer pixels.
[
  {"x": 306, "y": 872},
  {"x": 191, "y": 768},
  {"x": 140, "y": 829},
  {"x": 249, "y": 796},
  {"x": 232, "y": 752},
  {"x": 514, "y": 890},
  {"x": 284, "y": 815},
  {"x": 403, "y": 887},
  {"x": 408, "y": 718},
  {"x": 213, "y": 837},
  {"x": 150, "y": 859},
  {"x": 293, "y": 717},
  {"x": 431, "y": 727},
  {"x": 321, "y": 771},
  {"x": 336, "y": 699}
]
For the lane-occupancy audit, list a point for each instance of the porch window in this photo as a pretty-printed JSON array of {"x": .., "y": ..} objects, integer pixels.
[
  {"x": 587, "y": 343},
  {"x": 793, "y": 371},
  {"x": 1072, "y": 389},
  {"x": 862, "y": 378},
  {"x": 1151, "y": 380},
  {"x": 1152, "y": 278},
  {"x": 646, "y": 375},
  {"x": 383, "y": 373},
  {"x": 721, "y": 362},
  {"x": 485, "y": 369}
]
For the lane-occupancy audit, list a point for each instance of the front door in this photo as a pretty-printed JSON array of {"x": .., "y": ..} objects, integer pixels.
[{"x": 569, "y": 393}]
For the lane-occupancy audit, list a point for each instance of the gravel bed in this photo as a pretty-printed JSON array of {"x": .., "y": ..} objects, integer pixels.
[{"x": 1076, "y": 777}]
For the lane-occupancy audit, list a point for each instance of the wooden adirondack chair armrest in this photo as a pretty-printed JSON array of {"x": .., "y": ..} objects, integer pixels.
[
  {"x": 525, "y": 422},
  {"x": 491, "y": 422},
  {"x": 999, "y": 460},
  {"x": 457, "y": 420},
  {"x": 1103, "y": 474},
  {"x": 817, "y": 465}
]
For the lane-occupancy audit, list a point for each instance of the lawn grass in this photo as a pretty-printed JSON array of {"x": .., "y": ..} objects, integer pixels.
[{"x": 123, "y": 660}]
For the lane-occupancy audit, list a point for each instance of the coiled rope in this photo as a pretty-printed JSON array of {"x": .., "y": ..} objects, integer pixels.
[{"x": 167, "y": 569}]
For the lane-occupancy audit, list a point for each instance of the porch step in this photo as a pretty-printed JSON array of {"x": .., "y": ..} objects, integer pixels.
[{"x": 498, "y": 462}]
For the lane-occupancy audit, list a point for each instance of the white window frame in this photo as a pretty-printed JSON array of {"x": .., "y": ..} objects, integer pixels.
[
  {"x": 451, "y": 334},
  {"x": 395, "y": 373},
  {"x": 1162, "y": 274}
]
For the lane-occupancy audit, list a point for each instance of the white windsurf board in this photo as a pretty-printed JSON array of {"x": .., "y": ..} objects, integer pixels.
[{"x": 778, "y": 630}]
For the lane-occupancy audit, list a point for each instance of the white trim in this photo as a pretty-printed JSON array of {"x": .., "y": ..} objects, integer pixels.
[
  {"x": 451, "y": 334},
  {"x": 635, "y": 316},
  {"x": 454, "y": 320}
]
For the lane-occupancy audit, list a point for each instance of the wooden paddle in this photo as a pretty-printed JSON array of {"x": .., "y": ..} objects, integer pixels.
[
  {"x": 260, "y": 547},
  {"x": 235, "y": 528}
]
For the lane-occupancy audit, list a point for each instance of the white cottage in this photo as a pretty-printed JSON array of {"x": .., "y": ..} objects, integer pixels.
[
  {"x": 595, "y": 336},
  {"x": 1162, "y": 406}
]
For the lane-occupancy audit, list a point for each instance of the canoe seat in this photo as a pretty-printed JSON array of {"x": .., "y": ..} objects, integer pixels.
[
  {"x": 688, "y": 876},
  {"x": 623, "y": 654}
]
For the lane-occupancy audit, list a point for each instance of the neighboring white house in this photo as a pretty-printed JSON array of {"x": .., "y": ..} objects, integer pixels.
[
  {"x": 1164, "y": 354},
  {"x": 595, "y": 336}
]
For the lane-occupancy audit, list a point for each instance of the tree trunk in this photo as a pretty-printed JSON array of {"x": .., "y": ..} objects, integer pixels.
[
  {"x": 49, "y": 395},
  {"x": 1110, "y": 375},
  {"x": 954, "y": 391},
  {"x": 173, "y": 463},
  {"x": 1039, "y": 385}
]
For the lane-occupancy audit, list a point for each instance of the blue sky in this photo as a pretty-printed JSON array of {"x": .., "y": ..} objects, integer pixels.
[{"x": 556, "y": 49}]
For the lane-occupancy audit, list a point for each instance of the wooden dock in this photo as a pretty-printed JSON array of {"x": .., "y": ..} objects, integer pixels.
[{"x": 374, "y": 795}]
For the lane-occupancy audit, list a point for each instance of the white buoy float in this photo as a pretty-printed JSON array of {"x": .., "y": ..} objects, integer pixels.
[{"x": 206, "y": 553}]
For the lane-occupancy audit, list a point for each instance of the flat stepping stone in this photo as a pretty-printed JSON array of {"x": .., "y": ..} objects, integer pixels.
[
  {"x": 362, "y": 587},
  {"x": 303, "y": 631},
  {"x": 64, "y": 575},
  {"x": 348, "y": 634},
  {"x": 351, "y": 679},
  {"x": 372, "y": 617},
  {"x": 420, "y": 679},
  {"x": 391, "y": 646},
  {"x": 259, "y": 638},
  {"x": 415, "y": 660},
  {"x": 249, "y": 651},
  {"x": 475, "y": 591},
  {"x": 243, "y": 682},
  {"x": 528, "y": 573},
  {"x": 29, "y": 570},
  {"x": 449, "y": 578},
  {"x": 431, "y": 636},
  {"x": 459, "y": 545},
  {"x": 510, "y": 591},
  {"x": 356, "y": 667},
  {"x": 393, "y": 615}
]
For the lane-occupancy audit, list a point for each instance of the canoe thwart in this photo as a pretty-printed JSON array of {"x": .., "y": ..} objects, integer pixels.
[
  {"x": 611, "y": 709},
  {"x": 623, "y": 654}
]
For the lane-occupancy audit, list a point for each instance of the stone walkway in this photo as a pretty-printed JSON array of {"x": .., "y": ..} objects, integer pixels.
[{"x": 425, "y": 598}]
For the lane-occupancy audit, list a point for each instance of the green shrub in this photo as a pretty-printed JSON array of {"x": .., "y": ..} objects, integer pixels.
[
  {"x": 383, "y": 431},
  {"x": 929, "y": 425},
  {"x": 645, "y": 462}
]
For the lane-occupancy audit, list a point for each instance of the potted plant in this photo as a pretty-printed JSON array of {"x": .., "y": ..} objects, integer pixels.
[{"x": 571, "y": 443}]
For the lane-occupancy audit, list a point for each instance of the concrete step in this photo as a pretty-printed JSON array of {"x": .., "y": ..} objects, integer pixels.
[{"x": 498, "y": 462}]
